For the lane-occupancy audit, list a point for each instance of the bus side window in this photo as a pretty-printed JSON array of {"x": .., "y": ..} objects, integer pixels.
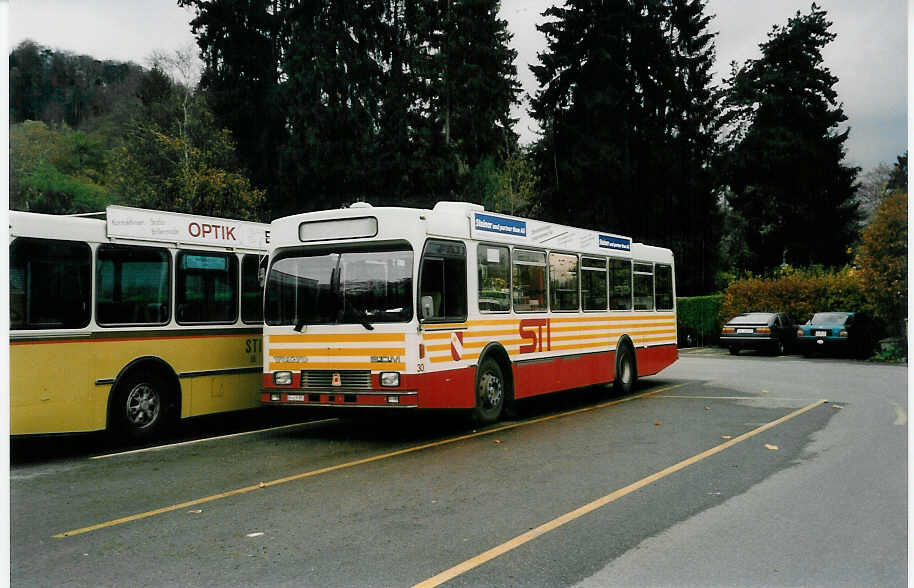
[
  {"x": 49, "y": 284},
  {"x": 529, "y": 281},
  {"x": 563, "y": 281},
  {"x": 251, "y": 289},
  {"x": 207, "y": 287},
  {"x": 494, "y": 273},
  {"x": 132, "y": 285},
  {"x": 620, "y": 284},
  {"x": 664, "y": 284},
  {"x": 643, "y": 278},
  {"x": 593, "y": 283},
  {"x": 443, "y": 281}
]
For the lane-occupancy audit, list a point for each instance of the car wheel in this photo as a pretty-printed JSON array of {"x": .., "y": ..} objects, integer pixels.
[
  {"x": 490, "y": 393},
  {"x": 778, "y": 348}
]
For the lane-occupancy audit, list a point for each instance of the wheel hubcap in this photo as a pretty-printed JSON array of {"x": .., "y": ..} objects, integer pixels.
[
  {"x": 143, "y": 405},
  {"x": 491, "y": 391},
  {"x": 626, "y": 371}
]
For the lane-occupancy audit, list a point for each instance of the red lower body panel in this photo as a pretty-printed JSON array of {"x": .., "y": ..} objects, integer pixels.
[
  {"x": 455, "y": 388},
  {"x": 544, "y": 376},
  {"x": 654, "y": 359}
]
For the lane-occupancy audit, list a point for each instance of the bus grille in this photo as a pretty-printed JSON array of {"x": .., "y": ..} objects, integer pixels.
[{"x": 360, "y": 379}]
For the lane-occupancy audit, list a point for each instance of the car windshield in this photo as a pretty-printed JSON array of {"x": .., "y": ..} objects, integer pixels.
[
  {"x": 830, "y": 318},
  {"x": 361, "y": 286},
  {"x": 753, "y": 318}
]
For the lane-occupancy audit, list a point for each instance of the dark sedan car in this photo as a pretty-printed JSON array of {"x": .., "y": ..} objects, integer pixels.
[
  {"x": 773, "y": 332},
  {"x": 853, "y": 333}
]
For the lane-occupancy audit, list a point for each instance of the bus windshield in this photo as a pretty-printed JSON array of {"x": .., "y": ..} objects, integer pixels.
[{"x": 343, "y": 286}]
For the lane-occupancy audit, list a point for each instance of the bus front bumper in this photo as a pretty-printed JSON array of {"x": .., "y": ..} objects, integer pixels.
[{"x": 378, "y": 399}]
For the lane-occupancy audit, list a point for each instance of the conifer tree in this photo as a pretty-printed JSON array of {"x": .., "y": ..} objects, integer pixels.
[
  {"x": 787, "y": 180},
  {"x": 628, "y": 116}
]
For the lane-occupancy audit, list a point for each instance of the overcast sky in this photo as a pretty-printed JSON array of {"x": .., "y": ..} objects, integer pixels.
[{"x": 868, "y": 56}]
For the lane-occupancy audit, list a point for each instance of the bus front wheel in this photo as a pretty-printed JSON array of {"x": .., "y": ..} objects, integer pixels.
[
  {"x": 490, "y": 393},
  {"x": 141, "y": 409}
]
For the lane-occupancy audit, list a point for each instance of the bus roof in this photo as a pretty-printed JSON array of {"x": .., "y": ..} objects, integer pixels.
[
  {"x": 463, "y": 220},
  {"x": 124, "y": 223}
]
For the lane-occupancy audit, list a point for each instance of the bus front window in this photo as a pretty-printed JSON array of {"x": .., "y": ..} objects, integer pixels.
[{"x": 362, "y": 287}]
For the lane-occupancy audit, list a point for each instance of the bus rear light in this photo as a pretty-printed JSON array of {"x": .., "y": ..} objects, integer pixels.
[
  {"x": 421, "y": 351},
  {"x": 282, "y": 378},
  {"x": 390, "y": 379}
]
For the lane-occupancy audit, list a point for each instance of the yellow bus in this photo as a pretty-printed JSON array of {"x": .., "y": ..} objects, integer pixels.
[
  {"x": 130, "y": 319},
  {"x": 457, "y": 308}
]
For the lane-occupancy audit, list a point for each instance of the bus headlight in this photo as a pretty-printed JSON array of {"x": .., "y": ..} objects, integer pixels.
[
  {"x": 282, "y": 378},
  {"x": 390, "y": 379}
]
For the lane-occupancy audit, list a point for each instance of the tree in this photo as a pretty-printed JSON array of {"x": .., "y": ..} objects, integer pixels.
[
  {"x": 629, "y": 115},
  {"x": 784, "y": 166},
  {"x": 60, "y": 87},
  {"x": 898, "y": 179},
  {"x": 184, "y": 171},
  {"x": 390, "y": 100},
  {"x": 56, "y": 170},
  {"x": 872, "y": 187},
  {"x": 882, "y": 259}
]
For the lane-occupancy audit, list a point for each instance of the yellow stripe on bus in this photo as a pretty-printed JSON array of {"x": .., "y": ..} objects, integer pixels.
[
  {"x": 338, "y": 338},
  {"x": 337, "y": 365},
  {"x": 337, "y": 351}
]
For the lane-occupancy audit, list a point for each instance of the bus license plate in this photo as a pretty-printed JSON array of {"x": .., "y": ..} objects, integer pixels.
[
  {"x": 296, "y": 397},
  {"x": 821, "y": 333}
]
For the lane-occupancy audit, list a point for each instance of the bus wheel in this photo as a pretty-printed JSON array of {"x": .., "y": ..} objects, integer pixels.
[
  {"x": 490, "y": 393},
  {"x": 142, "y": 407},
  {"x": 626, "y": 374}
]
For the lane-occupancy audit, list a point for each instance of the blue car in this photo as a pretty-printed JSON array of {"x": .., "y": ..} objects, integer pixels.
[{"x": 851, "y": 333}]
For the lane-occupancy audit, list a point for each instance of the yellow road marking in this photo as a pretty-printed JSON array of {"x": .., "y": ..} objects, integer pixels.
[
  {"x": 900, "y": 416},
  {"x": 349, "y": 464},
  {"x": 532, "y": 534}
]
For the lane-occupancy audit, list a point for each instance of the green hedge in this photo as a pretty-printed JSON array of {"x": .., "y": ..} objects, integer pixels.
[
  {"x": 699, "y": 319},
  {"x": 799, "y": 293}
]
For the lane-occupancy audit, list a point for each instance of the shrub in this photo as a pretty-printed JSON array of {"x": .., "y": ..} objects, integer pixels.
[
  {"x": 800, "y": 293},
  {"x": 698, "y": 319}
]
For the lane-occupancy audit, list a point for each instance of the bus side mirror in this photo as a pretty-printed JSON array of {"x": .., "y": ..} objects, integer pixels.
[{"x": 428, "y": 307}]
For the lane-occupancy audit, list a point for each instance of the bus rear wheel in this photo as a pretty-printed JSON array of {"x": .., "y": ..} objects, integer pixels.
[
  {"x": 490, "y": 393},
  {"x": 142, "y": 407},
  {"x": 626, "y": 373}
]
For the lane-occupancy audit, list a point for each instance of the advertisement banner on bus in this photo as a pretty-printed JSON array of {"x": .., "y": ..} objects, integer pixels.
[
  {"x": 501, "y": 225},
  {"x": 173, "y": 227},
  {"x": 615, "y": 243}
]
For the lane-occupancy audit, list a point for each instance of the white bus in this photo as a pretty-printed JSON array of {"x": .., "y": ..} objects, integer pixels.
[
  {"x": 457, "y": 308},
  {"x": 129, "y": 319}
]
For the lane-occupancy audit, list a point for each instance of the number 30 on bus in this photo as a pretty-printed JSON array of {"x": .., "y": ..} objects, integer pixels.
[{"x": 457, "y": 308}]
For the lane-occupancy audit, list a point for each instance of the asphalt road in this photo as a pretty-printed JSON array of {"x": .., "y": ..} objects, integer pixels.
[{"x": 730, "y": 471}]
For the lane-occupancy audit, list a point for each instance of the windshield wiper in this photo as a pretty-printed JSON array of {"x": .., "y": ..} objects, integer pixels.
[
  {"x": 362, "y": 317},
  {"x": 299, "y": 325}
]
